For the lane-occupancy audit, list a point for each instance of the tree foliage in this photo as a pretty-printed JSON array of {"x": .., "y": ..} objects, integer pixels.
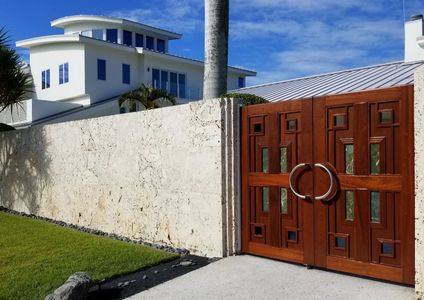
[
  {"x": 146, "y": 96},
  {"x": 14, "y": 82},
  {"x": 247, "y": 99}
]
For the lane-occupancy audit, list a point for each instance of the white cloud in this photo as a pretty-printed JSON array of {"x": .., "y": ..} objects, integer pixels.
[
  {"x": 313, "y": 5},
  {"x": 182, "y": 16}
]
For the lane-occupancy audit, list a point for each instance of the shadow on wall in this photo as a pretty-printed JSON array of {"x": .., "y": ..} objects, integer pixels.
[{"x": 24, "y": 169}]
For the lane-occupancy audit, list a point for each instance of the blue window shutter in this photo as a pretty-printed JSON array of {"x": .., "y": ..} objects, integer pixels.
[
  {"x": 43, "y": 80},
  {"x": 48, "y": 78},
  {"x": 126, "y": 71},
  {"x": 61, "y": 74},
  {"x": 101, "y": 69},
  {"x": 66, "y": 71}
]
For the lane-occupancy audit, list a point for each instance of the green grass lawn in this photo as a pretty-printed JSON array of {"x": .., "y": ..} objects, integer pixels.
[{"x": 36, "y": 257}]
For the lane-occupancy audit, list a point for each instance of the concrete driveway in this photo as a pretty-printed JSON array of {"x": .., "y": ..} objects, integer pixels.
[{"x": 249, "y": 277}]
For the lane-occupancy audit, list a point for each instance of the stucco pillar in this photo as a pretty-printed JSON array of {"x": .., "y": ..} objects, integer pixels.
[{"x": 419, "y": 182}]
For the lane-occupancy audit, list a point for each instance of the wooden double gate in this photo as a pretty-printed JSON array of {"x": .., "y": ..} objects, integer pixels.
[{"x": 328, "y": 182}]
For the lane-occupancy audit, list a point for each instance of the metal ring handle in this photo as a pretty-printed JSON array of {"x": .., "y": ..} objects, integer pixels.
[
  {"x": 331, "y": 181},
  {"x": 290, "y": 180}
]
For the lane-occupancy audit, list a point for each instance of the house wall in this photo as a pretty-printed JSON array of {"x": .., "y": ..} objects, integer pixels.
[
  {"x": 413, "y": 30},
  {"x": 115, "y": 57},
  {"x": 166, "y": 176},
  {"x": 419, "y": 181},
  {"x": 17, "y": 114},
  {"x": 50, "y": 57}
]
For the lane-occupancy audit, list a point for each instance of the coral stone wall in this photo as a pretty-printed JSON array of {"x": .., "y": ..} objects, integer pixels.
[
  {"x": 419, "y": 182},
  {"x": 155, "y": 175}
]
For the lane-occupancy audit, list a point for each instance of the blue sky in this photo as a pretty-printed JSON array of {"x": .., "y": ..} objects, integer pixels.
[{"x": 280, "y": 39}]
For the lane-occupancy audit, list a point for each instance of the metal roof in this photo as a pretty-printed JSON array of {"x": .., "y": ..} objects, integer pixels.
[{"x": 341, "y": 82}]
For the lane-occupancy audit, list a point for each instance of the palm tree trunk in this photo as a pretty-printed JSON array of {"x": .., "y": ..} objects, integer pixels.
[{"x": 216, "y": 48}]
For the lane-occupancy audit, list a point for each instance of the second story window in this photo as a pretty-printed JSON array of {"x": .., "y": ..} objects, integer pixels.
[
  {"x": 139, "y": 40},
  {"x": 64, "y": 73},
  {"x": 160, "y": 45},
  {"x": 150, "y": 43},
  {"x": 45, "y": 79},
  {"x": 101, "y": 69},
  {"x": 127, "y": 38},
  {"x": 112, "y": 35},
  {"x": 126, "y": 74},
  {"x": 241, "y": 82},
  {"x": 97, "y": 34}
]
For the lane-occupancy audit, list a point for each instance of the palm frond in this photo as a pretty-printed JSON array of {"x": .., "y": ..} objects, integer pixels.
[{"x": 146, "y": 96}]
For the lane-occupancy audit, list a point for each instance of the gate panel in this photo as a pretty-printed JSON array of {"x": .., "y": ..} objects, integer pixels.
[
  {"x": 366, "y": 226},
  {"x": 275, "y": 222}
]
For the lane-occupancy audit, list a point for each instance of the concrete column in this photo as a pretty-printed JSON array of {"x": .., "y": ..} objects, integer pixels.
[{"x": 419, "y": 182}]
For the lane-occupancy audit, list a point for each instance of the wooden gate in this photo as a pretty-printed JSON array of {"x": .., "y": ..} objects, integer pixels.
[{"x": 328, "y": 182}]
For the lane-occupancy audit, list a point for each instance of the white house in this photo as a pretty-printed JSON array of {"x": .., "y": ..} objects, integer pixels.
[{"x": 80, "y": 73}]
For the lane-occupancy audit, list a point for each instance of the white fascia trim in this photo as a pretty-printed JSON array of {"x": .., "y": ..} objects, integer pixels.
[
  {"x": 70, "y": 38},
  {"x": 191, "y": 61},
  {"x": 49, "y": 39},
  {"x": 63, "y": 22}
]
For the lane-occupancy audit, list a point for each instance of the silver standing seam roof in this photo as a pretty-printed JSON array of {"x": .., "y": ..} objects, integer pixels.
[{"x": 341, "y": 82}]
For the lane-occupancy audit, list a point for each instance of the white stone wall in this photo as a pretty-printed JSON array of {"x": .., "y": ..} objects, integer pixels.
[
  {"x": 419, "y": 182},
  {"x": 162, "y": 175}
]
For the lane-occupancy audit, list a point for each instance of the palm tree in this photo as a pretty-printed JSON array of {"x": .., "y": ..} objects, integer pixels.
[
  {"x": 216, "y": 48},
  {"x": 14, "y": 82},
  {"x": 147, "y": 96}
]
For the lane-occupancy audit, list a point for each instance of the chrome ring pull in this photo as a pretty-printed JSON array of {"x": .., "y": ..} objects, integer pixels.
[
  {"x": 290, "y": 180},
  {"x": 322, "y": 197}
]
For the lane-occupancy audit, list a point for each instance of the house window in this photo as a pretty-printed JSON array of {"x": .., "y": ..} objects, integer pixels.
[
  {"x": 241, "y": 82},
  {"x": 45, "y": 79},
  {"x": 139, "y": 40},
  {"x": 101, "y": 69},
  {"x": 97, "y": 34},
  {"x": 127, "y": 38},
  {"x": 164, "y": 80},
  {"x": 181, "y": 86},
  {"x": 155, "y": 78},
  {"x": 173, "y": 88},
  {"x": 64, "y": 73},
  {"x": 160, "y": 45},
  {"x": 126, "y": 74},
  {"x": 150, "y": 43},
  {"x": 112, "y": 35}
]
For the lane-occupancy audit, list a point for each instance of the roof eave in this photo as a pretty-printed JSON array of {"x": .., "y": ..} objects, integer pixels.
[{"x": 49, "y": 39}]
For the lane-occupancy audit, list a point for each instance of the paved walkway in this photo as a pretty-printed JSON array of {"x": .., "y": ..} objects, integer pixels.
[{"x": 248, "y": 277}]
